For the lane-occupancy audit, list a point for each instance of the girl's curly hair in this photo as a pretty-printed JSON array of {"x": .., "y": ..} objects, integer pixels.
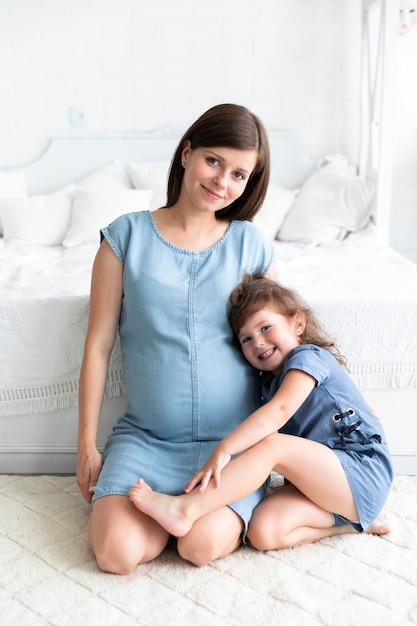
[{"x": 255, "y": 292}]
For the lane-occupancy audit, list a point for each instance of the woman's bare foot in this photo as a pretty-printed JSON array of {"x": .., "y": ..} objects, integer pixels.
[
  {"x": 378, "y": 528},
  {"x": 164, "y": 509}
]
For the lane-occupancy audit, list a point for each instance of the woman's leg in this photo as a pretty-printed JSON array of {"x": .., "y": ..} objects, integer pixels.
[
  {"x": 121, "y": 536},
  {"x": 212, "y": 537}
]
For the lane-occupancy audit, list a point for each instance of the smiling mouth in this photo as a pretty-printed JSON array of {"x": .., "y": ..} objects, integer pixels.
[
  {"x": 267, "y": 354},
  {"x": 212, "y": 193}
]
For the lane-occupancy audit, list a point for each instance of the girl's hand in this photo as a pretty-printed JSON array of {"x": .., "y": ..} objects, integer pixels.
[
  {"x": 211, "y": 469},
  {"x": 88, "y": 469}
]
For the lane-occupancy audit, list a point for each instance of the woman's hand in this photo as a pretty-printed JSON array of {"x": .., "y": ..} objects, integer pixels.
[
  {"x": 88, "y": 469},
  {"x": 211, "y": 469}
]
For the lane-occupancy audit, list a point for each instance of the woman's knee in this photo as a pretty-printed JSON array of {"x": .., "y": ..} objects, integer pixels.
[
  {"x": 211, "y": 538},
  {"x": 114, "y": 559},
  {"x": 123, "y": 538},
  {"x": 197, "y": 550}
]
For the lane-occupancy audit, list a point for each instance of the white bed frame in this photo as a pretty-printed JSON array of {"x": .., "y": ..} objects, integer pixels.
[{"x": 46, "y": 443}]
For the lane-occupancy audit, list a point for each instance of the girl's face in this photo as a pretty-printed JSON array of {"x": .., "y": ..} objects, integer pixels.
[
  {"x": 267, "y": 338},
  {"x": 215, "y": 177}
]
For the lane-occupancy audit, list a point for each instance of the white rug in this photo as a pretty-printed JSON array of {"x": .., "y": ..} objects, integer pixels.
[{"x": 48, "y": 574}]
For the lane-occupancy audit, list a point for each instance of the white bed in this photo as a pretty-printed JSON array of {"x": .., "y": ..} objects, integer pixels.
[{"x": 364, "y": 292}]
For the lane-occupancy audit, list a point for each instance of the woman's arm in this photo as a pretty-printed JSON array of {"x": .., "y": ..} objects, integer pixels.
[
  {"x": 295, "y": 388},
  {"x": 105, "y": 304}
]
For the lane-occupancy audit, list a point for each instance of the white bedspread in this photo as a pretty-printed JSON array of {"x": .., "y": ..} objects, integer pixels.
[
  {"x": 43, "y": 311},
  {"x": 365, "y": 294}
]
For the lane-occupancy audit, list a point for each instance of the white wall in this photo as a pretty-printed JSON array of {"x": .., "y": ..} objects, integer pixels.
[
  {"x": 141, "y": 64},
  {"x": 404, "y": 202}
]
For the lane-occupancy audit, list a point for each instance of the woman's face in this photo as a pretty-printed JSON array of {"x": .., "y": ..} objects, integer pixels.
[{"x": 215, "y": 177}]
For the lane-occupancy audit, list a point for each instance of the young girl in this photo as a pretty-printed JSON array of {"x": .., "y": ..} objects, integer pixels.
[{"x": 315, "y": 429}]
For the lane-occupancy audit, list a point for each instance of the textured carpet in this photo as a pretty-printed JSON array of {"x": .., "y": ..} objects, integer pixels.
[{"x": 48, "y": 574}]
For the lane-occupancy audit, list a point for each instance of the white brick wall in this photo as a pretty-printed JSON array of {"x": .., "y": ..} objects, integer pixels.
[
  {"x": 141, "y": 64},
  {"x": 404, "y": 205}
]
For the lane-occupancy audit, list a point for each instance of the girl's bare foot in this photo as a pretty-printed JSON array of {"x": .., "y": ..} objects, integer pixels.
[
  {"x": 164, "y": 509},
  {"x": 378, "y": 528}
]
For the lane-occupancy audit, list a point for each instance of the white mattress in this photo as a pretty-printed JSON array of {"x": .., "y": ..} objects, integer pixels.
[
  {"x": 360, "y": 266},
  {"x": 33, "y": 271},
  {"x": 365, "y": 294},
  {"x": 43, "y": 321}
]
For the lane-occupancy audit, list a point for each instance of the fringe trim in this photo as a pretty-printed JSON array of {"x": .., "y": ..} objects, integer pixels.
[
  {"x": 60, "y": 395},
  {"x": 384, "y": 375}
]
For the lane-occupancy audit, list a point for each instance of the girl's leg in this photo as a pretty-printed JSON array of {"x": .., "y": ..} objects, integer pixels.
[
  {"x": 313, "y": 468},
  {"x": 317, "y": 472},
  {"x": 121, "y": 537},
  {"x": 212, "y": 537},
  {"x": 302, "y": 511},
  {"x": 240, "y": 477},
  {"x": 286, "y": 518}
]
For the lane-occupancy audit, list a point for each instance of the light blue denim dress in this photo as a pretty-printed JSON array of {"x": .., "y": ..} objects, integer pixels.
[
  {"x": 337, "y": 415},
  {"x": 187, "y": 383}
]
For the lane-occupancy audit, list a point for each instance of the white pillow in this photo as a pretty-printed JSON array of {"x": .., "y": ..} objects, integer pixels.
[
  {"x": 12, "y": 185},
  {"x": 332, "y": 202},
  {"x": 277, "y": 203},
  {"x": 93, "y": 210},
  {"x": 108, "y": 177},
  {"x": 151, "y": 175},
  {"x": 43, "y": 220}
]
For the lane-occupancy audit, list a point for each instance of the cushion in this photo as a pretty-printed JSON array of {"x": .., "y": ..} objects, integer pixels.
[
  {"x": 277, "y": 203},
  {"x": 332, "y": 202},
  {"x": 42, "y": 220},
  {"x": 108, "y": 177},
  {"x": 12, "y": 185},
  {"x": 92, "y": 210},
  {"x": 151, "y": 175}
]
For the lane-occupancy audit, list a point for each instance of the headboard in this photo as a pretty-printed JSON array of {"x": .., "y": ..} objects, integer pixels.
[{"x": 69, "y": 158}]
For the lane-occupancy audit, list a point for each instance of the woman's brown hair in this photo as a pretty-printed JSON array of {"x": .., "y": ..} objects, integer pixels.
[{"x": 232, "y": 126}]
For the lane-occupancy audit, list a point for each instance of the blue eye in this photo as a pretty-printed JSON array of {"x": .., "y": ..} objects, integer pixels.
[{"x": 264, "y": 329}]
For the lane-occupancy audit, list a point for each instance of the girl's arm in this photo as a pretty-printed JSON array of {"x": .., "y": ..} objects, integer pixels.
[
  {"x": 295, "y": 388},
  {"x": 105, "y": 304}
]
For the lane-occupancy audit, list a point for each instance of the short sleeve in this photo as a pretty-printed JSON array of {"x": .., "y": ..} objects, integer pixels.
[
  {"x": 118, "y": 233},
  {"x": 259, "y": 254},
  {"x": 311, "y": 360}
]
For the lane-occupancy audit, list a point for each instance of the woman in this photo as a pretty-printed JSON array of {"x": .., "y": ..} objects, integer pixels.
[{"x": 163, "y": 279}]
